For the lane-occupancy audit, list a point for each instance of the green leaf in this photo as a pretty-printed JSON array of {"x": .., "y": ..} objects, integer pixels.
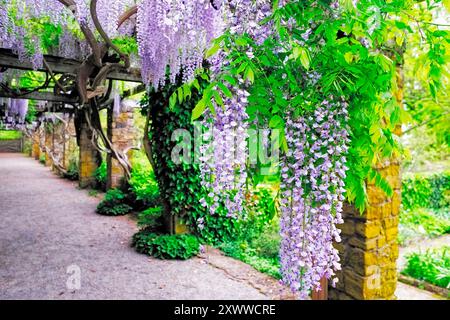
[
  {"x": 230, "y": 79},
  {"x": 173, "y": 100},
  {"x": 249, "y": 75},
  {"x": 241, "y": 41},
  {"x": 218, "y": 98},
  {"x": 213, "y": 50},
  {"x": 196, "y": 84},
  {"x": 348, "y": 56},
  {"x": 225, "y": 90},
  {"x": 199, "y": 109},
  {"x": 186, "y": 91},
  {"x": 242, "y": 67},
  {"x": 304, "y": 58},
  {"x": 276, "y": 122},
  {"x": 180, "y": 95}
]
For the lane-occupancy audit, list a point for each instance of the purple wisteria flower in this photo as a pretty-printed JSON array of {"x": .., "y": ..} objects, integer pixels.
[{"x": 313, "y": 173}]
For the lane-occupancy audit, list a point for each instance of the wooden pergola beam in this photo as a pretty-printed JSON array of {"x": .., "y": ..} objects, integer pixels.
[
  {"x": 63, "y": 65},
  {"x": 58, "y": 109},
  {"x": 40, "y": 96}
]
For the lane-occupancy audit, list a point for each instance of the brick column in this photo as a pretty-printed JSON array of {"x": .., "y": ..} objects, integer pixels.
[
  {"x": 369, "y": 248},
  {"x": 42, "y": 141},
  {"x": 89, "y": 157},
  {"x": 48, "y": 146},
  {"x": 70, "y": 146},
  {"x": 58, "y": 145},
  {"x": 122, "y": 134},
  {"x": 35, "y": 149}
]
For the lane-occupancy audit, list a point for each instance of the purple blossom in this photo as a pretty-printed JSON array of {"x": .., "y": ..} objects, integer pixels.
[{"x": 310, "y": 210}]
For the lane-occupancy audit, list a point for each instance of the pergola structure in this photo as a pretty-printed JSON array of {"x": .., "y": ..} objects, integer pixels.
[{"x": 68, "y": 101}]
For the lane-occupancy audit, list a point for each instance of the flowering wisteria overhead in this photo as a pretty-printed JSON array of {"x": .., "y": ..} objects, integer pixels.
[
  {"x": 225, "y": 153},
  {"x": 313, "y": 173},
  {"x": 174, "y": 33},
  {"x": 170, "y": 33},
  {"x": 15, "y": 111}
]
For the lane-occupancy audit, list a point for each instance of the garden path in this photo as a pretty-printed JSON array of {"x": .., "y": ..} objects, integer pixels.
[
  {"x": 49, "y": 229},
  {"x": 421, "y": 245},
  {"x": 408, "y": 292}
]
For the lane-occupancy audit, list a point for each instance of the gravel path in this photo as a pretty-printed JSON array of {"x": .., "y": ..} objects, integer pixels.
[
  {"x": 49, "y": 232},
  {"x": 408, "y": 292},
  {"x": 421, "y": 246}
]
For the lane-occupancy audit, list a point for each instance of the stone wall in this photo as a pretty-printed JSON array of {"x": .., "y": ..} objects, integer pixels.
[
  {"x": 35, "y": 148},
  {"x": 48, "y": 146},
  {"x": 58, "y": 146},
  {"x": 122, "y": 135},
  {"x": 90, "y": 157},
  {"x": 369, "y": 248},
  {"x": 70, "y": 147}
]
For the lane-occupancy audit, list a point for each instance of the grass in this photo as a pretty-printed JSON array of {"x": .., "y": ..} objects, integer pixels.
[
  {"x": 42, "y": 159},
  {"x": 261, "y": 251},
  {"x": 241, "y": 251},
  {"x": 433, "y": 266},
  {"x": 423, "y": 223},
  {"x": 92, "y": 193},
  {"x": 10, "y": 135}
]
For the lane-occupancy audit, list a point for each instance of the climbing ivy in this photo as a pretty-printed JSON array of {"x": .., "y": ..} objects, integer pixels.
[{"x": 179, "y": 184}]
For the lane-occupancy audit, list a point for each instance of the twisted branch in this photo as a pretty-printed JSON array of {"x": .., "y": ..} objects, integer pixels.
[{"x": 105, "y": 37}]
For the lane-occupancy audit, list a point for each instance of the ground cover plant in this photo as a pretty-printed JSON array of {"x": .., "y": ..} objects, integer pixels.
[{"x": 432, "y": 266}]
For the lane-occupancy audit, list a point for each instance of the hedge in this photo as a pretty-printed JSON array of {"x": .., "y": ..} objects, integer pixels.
[{"x": 426, "y": 191}]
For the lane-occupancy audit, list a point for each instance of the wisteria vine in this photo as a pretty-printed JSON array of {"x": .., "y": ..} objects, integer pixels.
[
  {"x": 224, "y": 157},
  {"x": 312, "y": 187}
]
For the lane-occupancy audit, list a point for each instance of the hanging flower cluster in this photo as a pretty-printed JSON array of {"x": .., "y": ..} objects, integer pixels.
[
  {"x": 15, "y": 111},
  {"x": 313, "y": 173},
  {"x": 16, "y": 32},
  {"x": 174, "y": 34},
  {"x": 224, "y": 156}
]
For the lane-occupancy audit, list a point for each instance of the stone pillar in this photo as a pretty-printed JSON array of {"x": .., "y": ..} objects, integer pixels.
[
  {"x": 369, "y": 248},
  {"x": 41, "y": 142},
  {"x": 58, "y": 147},
  {"x": 35, "y": 149},
  {"x": 70, "y": 145},
  {"x": 48, "y": 146},
  {"x": 122, "y": 134},
  {"x": 89, "y": 157}
]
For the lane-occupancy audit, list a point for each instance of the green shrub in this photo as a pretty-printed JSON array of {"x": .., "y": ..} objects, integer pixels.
[
  {"x": 426, "y": 191},
  {"x": 42, "y": 158},
  {"x": 162, "y": 246},
  {"x": 114, "y": 204},
  {"x": 10, "y": 135},
  {"x": 260, "y": 210},
  {"x": 432, "y": 266},
  {"x": 267, "y": 244},
  {"x": 425, "y": 220},
  {"x": 144, "y": 186},
  {"x": 27, "y": 146},
  {"x": 150, "y": 218},
  {"x": 241, "y": 251},
  {"x": 72, "y": 170},
  {"x": 100, "y": 176}
]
